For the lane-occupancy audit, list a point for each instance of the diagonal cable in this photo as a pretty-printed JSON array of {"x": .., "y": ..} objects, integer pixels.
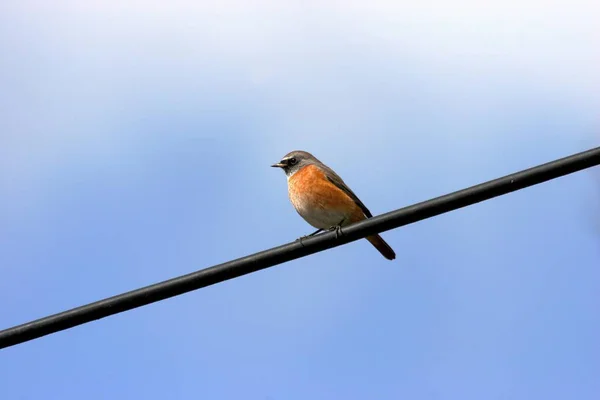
[{"x": 291, "y": 251}]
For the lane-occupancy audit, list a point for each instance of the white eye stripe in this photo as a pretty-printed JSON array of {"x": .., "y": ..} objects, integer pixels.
[{"x": 289, "y": 160}]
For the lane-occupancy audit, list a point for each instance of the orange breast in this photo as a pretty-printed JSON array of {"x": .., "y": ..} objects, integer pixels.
[{"x": 310, "y": 191}]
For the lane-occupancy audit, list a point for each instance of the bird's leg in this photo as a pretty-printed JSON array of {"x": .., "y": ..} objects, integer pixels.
[
  {"x": 315, "y": 232},
  {"x": 309, "y": 235},
  {"x": 338, "y": 228}
]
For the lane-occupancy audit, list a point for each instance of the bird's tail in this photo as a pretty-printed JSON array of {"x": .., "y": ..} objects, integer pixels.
[{"x": 382, "y": 246}]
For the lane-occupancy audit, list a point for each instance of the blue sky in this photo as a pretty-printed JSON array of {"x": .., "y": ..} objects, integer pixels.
[{"x": 135, "y": 144}]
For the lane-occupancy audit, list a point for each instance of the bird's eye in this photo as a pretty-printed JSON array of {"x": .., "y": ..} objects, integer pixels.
[{"x": 293, "y": 161}]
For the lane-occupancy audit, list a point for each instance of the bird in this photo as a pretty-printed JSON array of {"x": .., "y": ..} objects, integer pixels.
[{"x": 323, "y": 199}]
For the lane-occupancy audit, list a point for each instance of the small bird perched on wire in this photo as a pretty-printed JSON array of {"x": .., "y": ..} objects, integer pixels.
[{"x": 322, "y": 198}]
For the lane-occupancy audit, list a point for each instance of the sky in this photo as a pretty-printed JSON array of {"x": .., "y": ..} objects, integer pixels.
[{"x": 135, "y": 145}]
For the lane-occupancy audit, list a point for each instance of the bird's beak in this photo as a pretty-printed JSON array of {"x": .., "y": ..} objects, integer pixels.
[{"x": 278, "y": 165}]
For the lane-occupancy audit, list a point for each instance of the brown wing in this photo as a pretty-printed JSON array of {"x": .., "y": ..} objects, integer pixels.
[{"x": 337, "y": 181}]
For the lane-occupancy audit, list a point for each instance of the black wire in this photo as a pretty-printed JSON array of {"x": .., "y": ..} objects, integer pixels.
[{"x": 268, "y": 258}]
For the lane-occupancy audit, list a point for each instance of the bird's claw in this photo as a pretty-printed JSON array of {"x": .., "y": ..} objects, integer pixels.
[
  {"x": 300, "y": 239},
  {"x": 336, "y": 228},
  {"x": 309, "y": 235},
  {"x": 338, "y": 231}
]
